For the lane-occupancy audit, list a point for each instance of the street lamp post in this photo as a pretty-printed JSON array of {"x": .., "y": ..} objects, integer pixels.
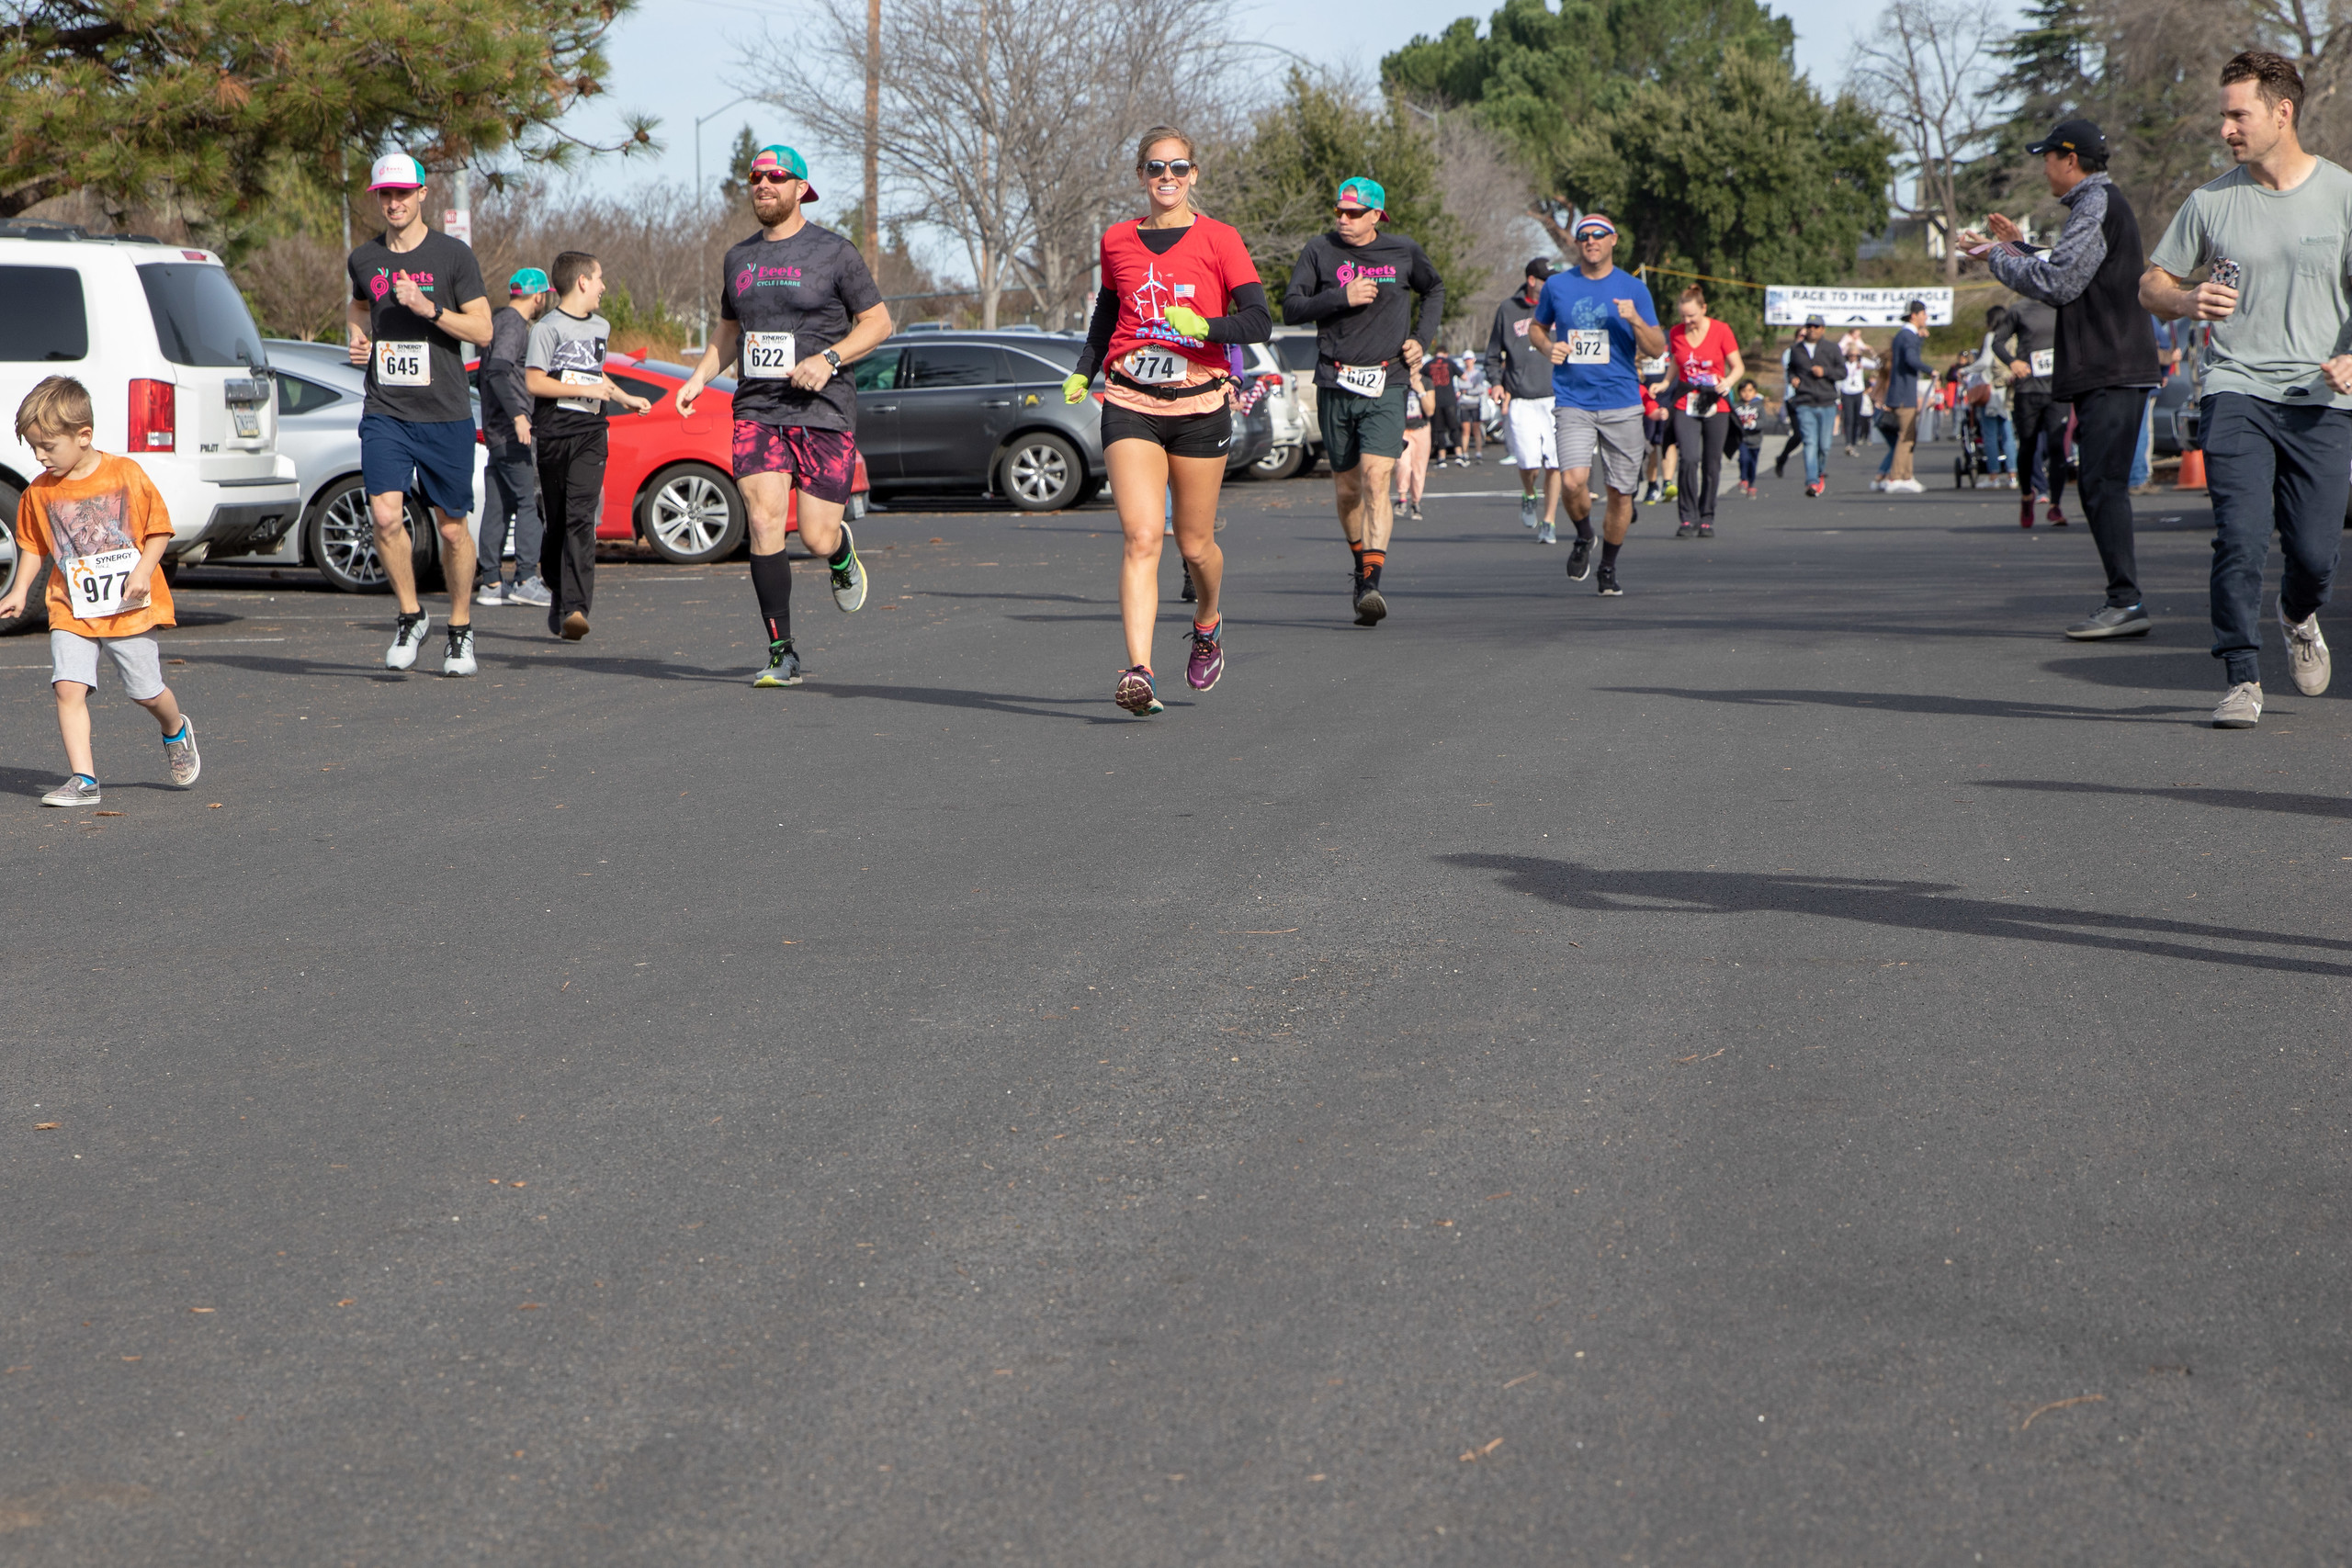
[{"x": 702, "y": 244}]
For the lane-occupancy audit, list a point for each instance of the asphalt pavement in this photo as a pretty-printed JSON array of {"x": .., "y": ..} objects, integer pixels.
[{"x": 1797, "y": 1065}]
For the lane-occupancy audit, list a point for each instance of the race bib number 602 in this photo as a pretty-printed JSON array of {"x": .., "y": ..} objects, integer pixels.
[
  {"x": 768, "y": 356},
  {"x": 403, "y": 365},
  {"x": 1364, "y": 380}
]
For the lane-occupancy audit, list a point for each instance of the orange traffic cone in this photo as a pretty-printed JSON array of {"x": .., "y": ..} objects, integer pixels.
[{"x": 2192, "y": 471}]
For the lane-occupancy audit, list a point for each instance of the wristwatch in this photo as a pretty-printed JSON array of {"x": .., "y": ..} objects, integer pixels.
[
  {"x": 437, "y": 309},
  {"x": 832, "y": 359}
]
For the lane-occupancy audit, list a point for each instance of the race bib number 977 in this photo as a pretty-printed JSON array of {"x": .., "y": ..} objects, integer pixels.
[
  {"x": 767, "y": 356},
  {"x": 403, "y": 365},
  {"x": 94, "y": 584}
]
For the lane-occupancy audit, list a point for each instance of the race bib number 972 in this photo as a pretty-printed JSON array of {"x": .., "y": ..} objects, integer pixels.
[
  {"x": 403, "y": 365},
  {"x": 94, "y": 584},
  {"x": 767, "y": 356},
  {"x": 1589, "y": 345}
]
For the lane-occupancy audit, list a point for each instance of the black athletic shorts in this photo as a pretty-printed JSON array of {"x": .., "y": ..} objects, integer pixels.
[{"x": 1208, "y": 434}]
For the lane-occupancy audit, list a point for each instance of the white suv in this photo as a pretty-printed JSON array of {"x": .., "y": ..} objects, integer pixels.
[{"x": 178, "y": 381}]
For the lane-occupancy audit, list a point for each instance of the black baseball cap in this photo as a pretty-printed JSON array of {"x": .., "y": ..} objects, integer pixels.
[
  {"x": 1540, "y": 268},
  {"x": 2075, "y": 136},
  {"x": 1815, "y": 321},
  {"x": 1913, "y": 308}
]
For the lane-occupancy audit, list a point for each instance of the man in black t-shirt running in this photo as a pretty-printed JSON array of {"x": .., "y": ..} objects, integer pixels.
[
  {"x": 798, "y": 304},
  {"x": 415, "y": 295},
  {"x": 1353, "y": 283}
]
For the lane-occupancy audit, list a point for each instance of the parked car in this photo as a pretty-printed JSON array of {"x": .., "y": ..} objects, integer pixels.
[
  {"x": 178, "y": 379},
  {"x": 981, "y": 415},
  {"x": 1294, "y": 349},
  {"x": 320, "y": 396},
  {"x": 1294, "y": 431},
  {"x": 669, "y": 481},
  {"x": 2172, "y": 424}
]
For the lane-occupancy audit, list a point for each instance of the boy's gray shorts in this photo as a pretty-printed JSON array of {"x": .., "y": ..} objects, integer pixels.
[{"x": 140, "y": 662}]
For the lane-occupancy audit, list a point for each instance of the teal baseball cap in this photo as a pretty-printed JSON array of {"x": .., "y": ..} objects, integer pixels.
[
  {"x": 1360, "y": 192},
  {"x": 527, "y": 281},
  {"x": 780, "y": 159}
]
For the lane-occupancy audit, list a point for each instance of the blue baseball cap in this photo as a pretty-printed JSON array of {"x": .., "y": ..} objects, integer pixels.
[
  {"x": 1362, "y": 192},
  {"x": 780, "y": 159}
]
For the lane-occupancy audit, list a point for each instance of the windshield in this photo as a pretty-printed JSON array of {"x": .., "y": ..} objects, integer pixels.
[{"x": 200, "y": 319}]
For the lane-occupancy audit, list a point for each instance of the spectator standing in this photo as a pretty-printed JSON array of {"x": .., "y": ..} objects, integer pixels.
[
  {"x": 506, "y": 434},
  {"x": 1907, "y": 363},
  {"x": 1473, "y": 392},
  {"x": 2276, "y": 378},
  {"x": 1993, "y": 413},
  {"x": 1816, "y": 371},
  {"x": 1521, "y": 378},
  {"x": 1445, "y": 419},
  {"x": 1747, "y": 411},
  {"x": 1413, "y": 465},
  {"x": 2105, "y": 359},
  {"x": 1853, "y": 389}
]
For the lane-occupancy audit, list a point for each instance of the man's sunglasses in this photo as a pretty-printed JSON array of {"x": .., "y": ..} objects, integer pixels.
[
  {"x": 771, "y": 178},
  {"x": 1592, "y": 234},
  {"x": 1181, "y": 167},
  {"x": 1352, "y": 212}
]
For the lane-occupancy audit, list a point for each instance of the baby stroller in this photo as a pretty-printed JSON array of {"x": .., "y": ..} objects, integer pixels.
[{"x": 1969, "y": 470}]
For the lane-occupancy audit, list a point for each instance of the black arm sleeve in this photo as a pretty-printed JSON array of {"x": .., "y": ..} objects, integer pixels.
[
  {"x": 1098, "y": 333},
  {"x": 1248, "y": 318}
]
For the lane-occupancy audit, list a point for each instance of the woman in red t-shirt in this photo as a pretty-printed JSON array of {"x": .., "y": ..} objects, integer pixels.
[
  {"x": 1707, "y": 366},
  {"x": 1177, "y": 289}
]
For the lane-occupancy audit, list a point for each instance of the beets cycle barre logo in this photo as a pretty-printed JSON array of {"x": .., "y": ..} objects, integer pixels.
[
  {"x": 751, "y": 278},
  {"x": 1349, "y": 271},
  {"x": 381, "y": 284}
]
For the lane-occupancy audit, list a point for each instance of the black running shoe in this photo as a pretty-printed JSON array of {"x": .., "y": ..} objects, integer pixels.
[
  {"x": 1580, "y": 559},
  {"x": 1684, "y": 531},
  {"x": 1369, "y": 606},
  {"x": 1706, "y": 530},
  {"x": 1609, "y": 588}
]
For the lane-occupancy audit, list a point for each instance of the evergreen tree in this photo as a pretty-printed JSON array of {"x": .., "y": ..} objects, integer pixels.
[{"x": 736, "y": 183}]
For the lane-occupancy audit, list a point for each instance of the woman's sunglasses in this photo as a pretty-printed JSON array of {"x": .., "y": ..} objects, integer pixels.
[{"x": 1181, "y": 167}]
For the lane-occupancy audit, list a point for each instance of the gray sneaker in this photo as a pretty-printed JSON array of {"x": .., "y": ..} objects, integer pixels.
[
  {"x": 2130, "y": 621},
  {"x": 1531, "y": 511},
  {"x": 533, "y": 592},
  {"x": 79, "y": 789},
  {"x": 849, "y": 578},
  {"x": 490, "y": 593},
  {"x": 180, "y": 752},
  {"x": 2306, "y": 651},
  {"x": 1544, "y": 536},
  {"x": 2242, "y": 708}
]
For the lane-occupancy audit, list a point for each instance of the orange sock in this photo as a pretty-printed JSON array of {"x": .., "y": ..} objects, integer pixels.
[{"x": 1371, "y": 560}]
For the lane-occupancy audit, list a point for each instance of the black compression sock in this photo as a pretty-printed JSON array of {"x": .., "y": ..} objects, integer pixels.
[
  {"x": 1609, "y": 557},
  {"x": 1357, "y": 551},
  {"x": 772, "y": 581},
  {"x": 840, "y": 557},
  {"x": 1584, "y": 527}
]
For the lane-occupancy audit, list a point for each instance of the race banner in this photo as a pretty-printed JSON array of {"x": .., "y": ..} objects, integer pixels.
[{"x": 1787, "y": 305}]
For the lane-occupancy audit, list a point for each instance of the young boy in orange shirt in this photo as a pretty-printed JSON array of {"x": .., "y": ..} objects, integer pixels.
[{"x": 99, "y": 518}]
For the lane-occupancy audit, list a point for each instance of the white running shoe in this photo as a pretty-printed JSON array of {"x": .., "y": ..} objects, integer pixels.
[
  {"x": 459, "y": 658},
  {"x": 407, "y": 640},
  {"x": 2306, "y": 651},
  {"x": 2241, "y": 708}
]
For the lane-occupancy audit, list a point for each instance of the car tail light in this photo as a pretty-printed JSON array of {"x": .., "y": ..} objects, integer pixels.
[{"x": 154, "y": 416}]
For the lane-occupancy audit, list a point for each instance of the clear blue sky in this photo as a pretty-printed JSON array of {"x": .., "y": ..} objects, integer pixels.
[{"x": 673, "y": 58}]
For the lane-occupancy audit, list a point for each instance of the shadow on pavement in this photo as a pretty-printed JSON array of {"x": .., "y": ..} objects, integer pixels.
[
  {"x": 1906, "y": 905},
  {"x": 2331, "y": 805},
  {"x": 1912, "y": 702},
  {"x": 2171, "y": 670}
]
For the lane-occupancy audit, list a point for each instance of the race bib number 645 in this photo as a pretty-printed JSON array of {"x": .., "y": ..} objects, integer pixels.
[{"x": 403, "y": 365}]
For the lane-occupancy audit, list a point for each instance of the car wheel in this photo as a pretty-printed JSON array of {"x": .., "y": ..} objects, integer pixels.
[
  {"x": 691, "y": 513},
  {"x": 1041, "y": 472},
  {"x": 35, "y": 613},
  {"x": 339, "y": 539},
  {"x": 1280, "y": 463}
]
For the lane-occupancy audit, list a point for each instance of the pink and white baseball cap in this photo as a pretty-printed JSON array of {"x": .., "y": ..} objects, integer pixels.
[{"x": 396, "y": 171}]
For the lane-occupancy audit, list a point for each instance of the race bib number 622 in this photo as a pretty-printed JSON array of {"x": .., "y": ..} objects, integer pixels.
[{"x": 768, "y": 356}]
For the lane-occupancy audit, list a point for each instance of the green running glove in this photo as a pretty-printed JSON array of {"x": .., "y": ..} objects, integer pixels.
[
  {"x": 1186, "y": 319},
  {"x": 1074, "y": 389}
]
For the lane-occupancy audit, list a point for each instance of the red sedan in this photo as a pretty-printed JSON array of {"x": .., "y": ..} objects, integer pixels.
[{"x": 669, "y": 481}]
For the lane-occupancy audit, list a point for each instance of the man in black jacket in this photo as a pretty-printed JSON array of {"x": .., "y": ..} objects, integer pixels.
[
  {"x": 1521, "y": 378},
  {"x": 2104, "y": 360},
  {"x": 514, "y": 499},
  {"x": 1814, "y": 369}
]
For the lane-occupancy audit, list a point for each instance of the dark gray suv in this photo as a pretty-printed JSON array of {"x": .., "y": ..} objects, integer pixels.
[{"x": 981, "y": 414}]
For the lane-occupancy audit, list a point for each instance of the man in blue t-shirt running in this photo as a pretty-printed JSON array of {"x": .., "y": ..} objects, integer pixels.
[{"x": 1592, "y": 321}]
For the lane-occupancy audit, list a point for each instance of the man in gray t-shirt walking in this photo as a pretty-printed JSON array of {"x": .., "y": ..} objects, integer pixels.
[{"x": 2277, "y": 375}]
